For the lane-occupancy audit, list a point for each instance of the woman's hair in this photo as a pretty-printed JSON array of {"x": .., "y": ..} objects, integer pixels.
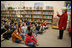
[{"x": 65, "y": 10}]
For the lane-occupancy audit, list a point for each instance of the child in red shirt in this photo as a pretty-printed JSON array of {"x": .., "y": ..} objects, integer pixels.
[{"x": 30, "y": 40}]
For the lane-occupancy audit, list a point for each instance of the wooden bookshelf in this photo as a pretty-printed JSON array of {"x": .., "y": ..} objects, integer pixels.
[{"x": 31, "y": 14}]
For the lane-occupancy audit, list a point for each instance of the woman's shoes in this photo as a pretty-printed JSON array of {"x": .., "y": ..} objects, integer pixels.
[{"x": 59, "y": 38}]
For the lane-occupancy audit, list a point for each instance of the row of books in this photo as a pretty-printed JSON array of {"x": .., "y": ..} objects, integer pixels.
[
  {"x": 37, "y": 12},
  {"x": 48, "y": 17},
  {"x": 48, "y": 13},
  {"x": 39, "y": 7},
  {"x": 36, "y": 16},
  {"x": 49, "y": 25},
  {"x": 28, "y": 16},
  {"x": 28, "y": 12}
]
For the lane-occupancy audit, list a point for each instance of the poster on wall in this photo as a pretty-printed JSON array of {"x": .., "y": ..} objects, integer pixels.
[
  {"x": 38, "y": 5},
  {"x": 68, "y": 5},
  {"x": 2, "y": 6}
]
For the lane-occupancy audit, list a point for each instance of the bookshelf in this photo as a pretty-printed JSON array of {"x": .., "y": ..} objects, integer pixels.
[{"x": 32, "y": 15}]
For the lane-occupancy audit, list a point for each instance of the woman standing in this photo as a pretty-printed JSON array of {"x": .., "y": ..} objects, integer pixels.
[{"x": 62, "y": 22}]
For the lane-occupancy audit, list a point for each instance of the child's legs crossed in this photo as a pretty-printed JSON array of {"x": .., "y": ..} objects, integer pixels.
[
  {"x": 18, "y": 41},
  {"x": 31, "y": 44}
]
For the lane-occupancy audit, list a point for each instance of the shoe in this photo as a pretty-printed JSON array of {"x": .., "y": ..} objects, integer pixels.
[
  {"x": 59, "y": 38},
  {"x": 7, "y": 38}
]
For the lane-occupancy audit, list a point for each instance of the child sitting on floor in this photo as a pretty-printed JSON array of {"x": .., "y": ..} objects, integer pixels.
[
  {"x": 20, "y": 31},
  {"x": 16, "y": 37},
  {"x": 33, "y": 28},
  {"x": 24, "y": 28},
  {"x": 40, "y": 30},
  {"x": 11, "y": 27},
  {"x": 16, "y": 25},
  {"x": 30, "y": 40},
  {"x": 20, "y": 26},
  {"x": 44, "y": 24}
]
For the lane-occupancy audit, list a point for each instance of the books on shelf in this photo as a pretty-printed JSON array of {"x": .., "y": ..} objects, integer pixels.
[
  {"x": 28, "y": 12},
  {"x": 37, "y": 12},
  {"x": 48, "y": 17},
  {"x": 43, "y": 15},
  {"x": 55, "y": 22},
  {"x": 37, "y": 16},
  {"x": 48, "y": 13},
  {"x": 28, "y": 16},
  {"x": 49, "y": 25}
]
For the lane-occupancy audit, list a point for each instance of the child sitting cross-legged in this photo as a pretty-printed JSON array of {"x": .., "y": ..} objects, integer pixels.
[
  {"x": 20, "y": 31},
  {"x": 44, "y": 24},
  {"x": 30, "y": 40},
  {"x": 33, "y": 28},
  {"x": 24, "y": 28},
  {"x": 39, "y": 29},
  {"x": 16, "y": 37}
]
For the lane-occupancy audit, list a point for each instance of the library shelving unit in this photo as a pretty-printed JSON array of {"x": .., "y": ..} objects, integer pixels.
[
  {"x": 31, "y": 14},
  {"x": 39, "y": 15},
  {"x": 55, "y": 23},
  {"x": 8, "y": 13}
]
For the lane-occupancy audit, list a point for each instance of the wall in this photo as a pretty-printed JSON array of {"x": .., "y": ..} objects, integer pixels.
[{"x": 56, "y": 4}]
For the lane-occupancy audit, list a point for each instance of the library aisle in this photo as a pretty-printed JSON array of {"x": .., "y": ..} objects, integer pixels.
[{"x": 47, "y": 39}]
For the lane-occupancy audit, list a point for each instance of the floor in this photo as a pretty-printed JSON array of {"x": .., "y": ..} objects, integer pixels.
[{"x": 47, "y": 39}]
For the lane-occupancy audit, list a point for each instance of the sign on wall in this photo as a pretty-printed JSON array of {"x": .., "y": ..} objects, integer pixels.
[
  {"x": 2, "y": 6},
  {"x": 40, "y": 4},
  {"x": 68, "y": 5}
]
